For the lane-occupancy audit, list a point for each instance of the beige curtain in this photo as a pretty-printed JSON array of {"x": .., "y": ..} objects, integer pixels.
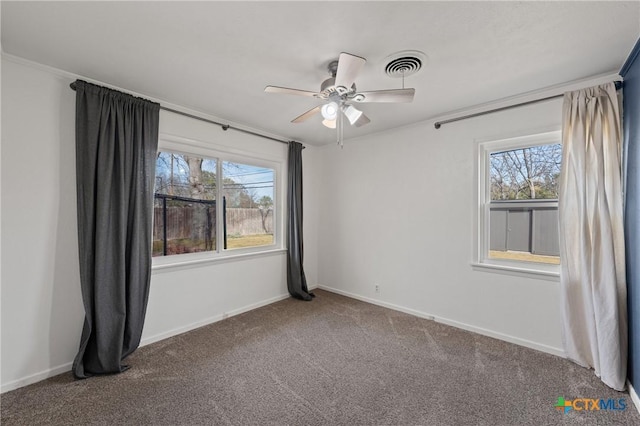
[{"x": 593, "y": 286}]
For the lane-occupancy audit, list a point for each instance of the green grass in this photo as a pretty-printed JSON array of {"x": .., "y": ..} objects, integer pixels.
[
  {"x": 249, "y": 241},
  {"x": 524, "y": 256}
]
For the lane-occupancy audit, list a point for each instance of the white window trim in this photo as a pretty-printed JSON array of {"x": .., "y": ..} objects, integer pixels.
[
  {"x": 481, "y": 260},
  {"x": 182, "y": 145}
]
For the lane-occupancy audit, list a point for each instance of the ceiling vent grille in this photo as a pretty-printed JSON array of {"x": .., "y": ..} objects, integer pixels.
[{"x": 405, "y": 63}]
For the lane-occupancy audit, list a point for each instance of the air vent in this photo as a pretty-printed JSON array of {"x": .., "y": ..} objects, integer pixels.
[{"x": 405, "y": 63}]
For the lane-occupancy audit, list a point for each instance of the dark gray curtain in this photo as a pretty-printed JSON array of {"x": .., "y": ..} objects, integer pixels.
[
  {"x": 116, "y": 144},
  {"x": 296, "y": 281}
]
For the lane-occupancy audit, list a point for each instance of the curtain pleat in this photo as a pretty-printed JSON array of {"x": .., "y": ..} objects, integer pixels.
[
  {"x": 593, "y": 285},
  {"x": 296, "y": 280},
  {"x": 116, "y": 144}
]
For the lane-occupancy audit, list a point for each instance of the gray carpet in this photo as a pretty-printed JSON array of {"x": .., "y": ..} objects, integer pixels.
[{"x": 333, "y": 361}]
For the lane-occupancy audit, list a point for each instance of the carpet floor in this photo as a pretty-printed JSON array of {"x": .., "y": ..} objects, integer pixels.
[{"x": 332, "y": 361}]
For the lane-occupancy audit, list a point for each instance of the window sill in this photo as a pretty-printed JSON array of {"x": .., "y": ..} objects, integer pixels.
[
  {"x": 172, "y": 264},
  {"x": 550, "y": 273}
]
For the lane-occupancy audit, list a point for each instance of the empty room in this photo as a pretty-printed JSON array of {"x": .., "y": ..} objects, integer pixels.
[{"x": 320, "y": 213}]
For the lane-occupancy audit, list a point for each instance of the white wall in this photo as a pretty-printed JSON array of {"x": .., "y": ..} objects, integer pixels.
[
  {"x": 41, "y": 304},
  {"x": 397, "y": 210},
  {"x": 42, "y": 309}
]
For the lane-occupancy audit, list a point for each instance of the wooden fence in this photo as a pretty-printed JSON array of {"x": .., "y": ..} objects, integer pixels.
[{"x": 181, "y": 222}]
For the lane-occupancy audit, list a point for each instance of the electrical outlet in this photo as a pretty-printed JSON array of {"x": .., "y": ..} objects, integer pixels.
[{"x": 377, "y": 289}]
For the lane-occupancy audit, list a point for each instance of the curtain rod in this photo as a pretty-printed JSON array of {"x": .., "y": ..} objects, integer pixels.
[
  {"x": 438, "y": 124},
  {"x": 224, "y": 127}
]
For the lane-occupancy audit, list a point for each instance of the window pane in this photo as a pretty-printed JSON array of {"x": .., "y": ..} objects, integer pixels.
[
  {"x": 523, "y": 212},
  {"x": 249, "y": 213},
  {"x": 185, "y": 204},
  {"x": 526, "y": 173}
]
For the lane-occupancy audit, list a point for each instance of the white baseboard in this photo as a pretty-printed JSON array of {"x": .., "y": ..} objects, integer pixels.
[
  {"x": 485, "y": 332},
  {"x": 180, "y": 330},
  {"x": 37, "y": 377},
  {"x": 54, "y": 371},
  {"x": 634, "y": 396}
]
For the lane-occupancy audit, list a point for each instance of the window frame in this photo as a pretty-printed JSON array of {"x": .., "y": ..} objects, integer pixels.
[
  {"x": 179, "y": 145},
  {"x": 483, "y": 196}
]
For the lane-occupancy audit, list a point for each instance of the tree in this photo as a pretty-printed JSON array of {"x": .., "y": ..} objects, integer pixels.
[
  {"x": 526, "y": 173},
  {"x": 265, "y": 205},
  {"x": 202, "y": 227},
  {"x": 265, "y": 202},
  {"x": 196, "y": 186},
  {"x": 172, "y": 174},
  {"x": 237, "y": 194}
]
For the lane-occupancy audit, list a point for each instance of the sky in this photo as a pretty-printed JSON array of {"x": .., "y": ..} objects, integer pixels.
[{"x": 257, "y": 180}]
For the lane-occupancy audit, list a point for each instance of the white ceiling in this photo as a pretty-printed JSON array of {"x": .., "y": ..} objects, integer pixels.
[{"x": 217, "y": 57}]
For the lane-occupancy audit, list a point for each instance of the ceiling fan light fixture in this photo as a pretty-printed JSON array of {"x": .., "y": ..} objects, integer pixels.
[
  {"x": 329, "y": 111},
  {"x": 352, "y": 114}
]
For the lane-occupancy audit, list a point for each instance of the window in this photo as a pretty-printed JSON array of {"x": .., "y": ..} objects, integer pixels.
[
  {"x": 185, "y": 204},
  {"x": 211, "y": 204},
  {"x": 518, "y": 197},
  {"x": 248, "y": 193}
]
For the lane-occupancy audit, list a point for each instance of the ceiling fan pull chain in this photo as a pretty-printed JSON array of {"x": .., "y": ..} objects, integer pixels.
[{"x": 340, "y": 125}]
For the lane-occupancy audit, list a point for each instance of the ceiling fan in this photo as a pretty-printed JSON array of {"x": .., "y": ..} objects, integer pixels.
[{"x": 339, "y": 94}]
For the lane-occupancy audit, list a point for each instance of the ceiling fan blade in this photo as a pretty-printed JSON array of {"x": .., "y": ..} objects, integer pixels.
[
  {"x": 362, "y": 121},
  {"x": 306, "y": 115},
  {"x": 393, "y": 95},
  {"x": 349, "y": 67},
  {"x": 288, "y": 91}
]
